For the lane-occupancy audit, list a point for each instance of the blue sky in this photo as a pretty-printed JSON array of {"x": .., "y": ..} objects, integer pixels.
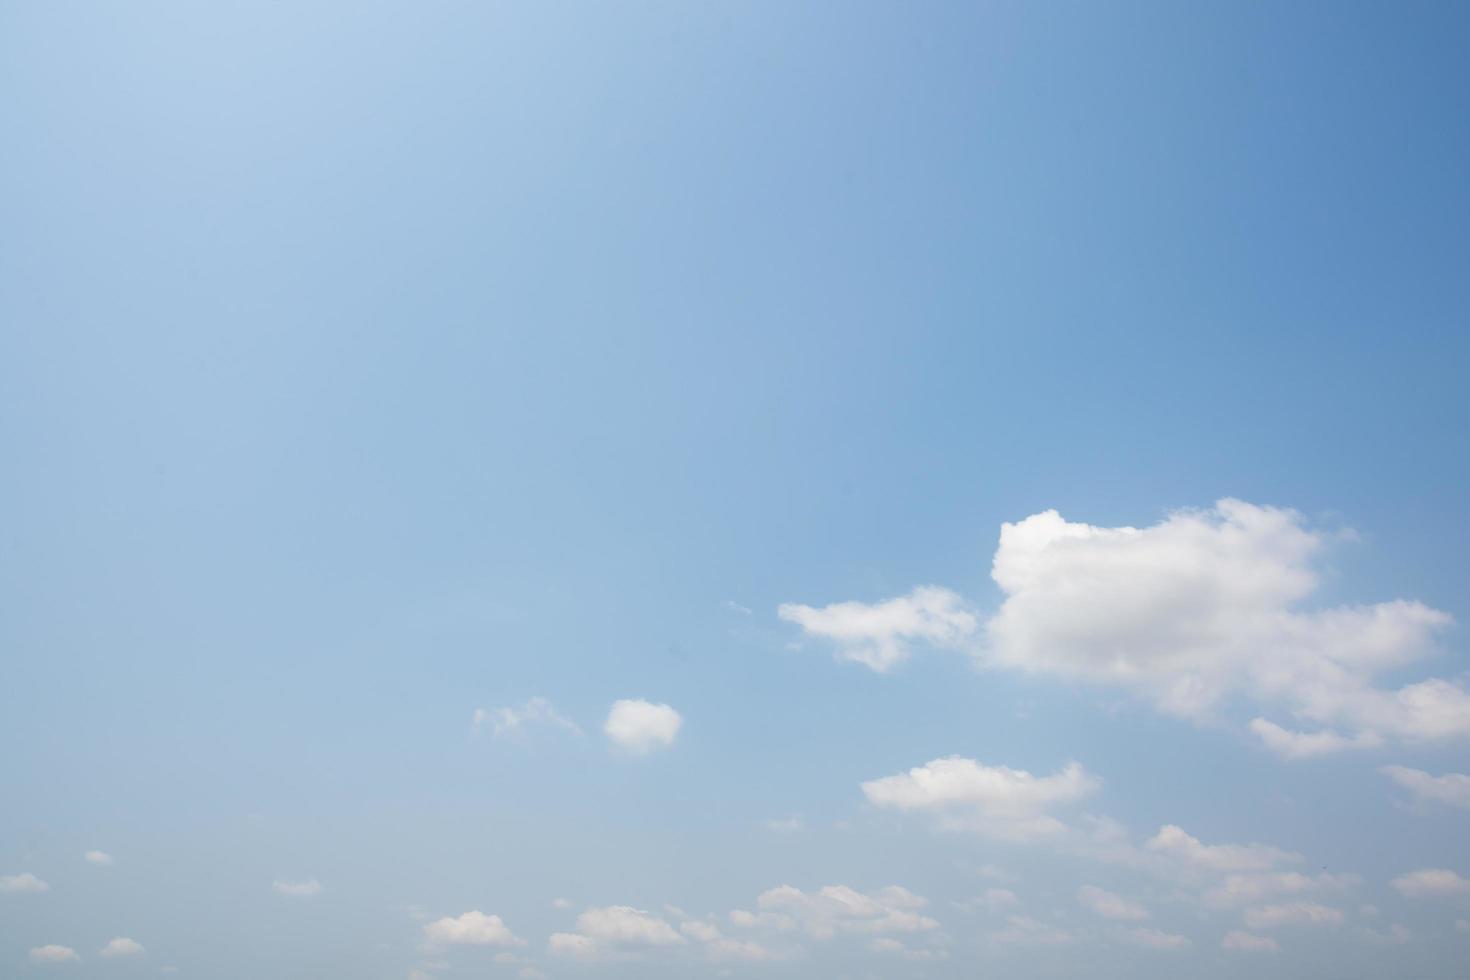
[{"x": 519, "y": 490}]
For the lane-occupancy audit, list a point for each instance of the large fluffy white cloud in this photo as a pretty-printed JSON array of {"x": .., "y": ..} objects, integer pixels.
[
  {"x": 23, "y": 882},
  {"x": 997, "y": 800},
  {"x": 640, "y": 726},
  {"x": 473, "y": 928},
  {"x": 880, "y": 635},
  {"x": 1206, "y": 604},
  {"x": 1451, "y": 789},
  {"x": 1202, "y": 608}
]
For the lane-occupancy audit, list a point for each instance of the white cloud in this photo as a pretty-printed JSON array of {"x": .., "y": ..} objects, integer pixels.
[
  {"x": 996, "y": 800},
  {"x": 1451, "y": 789},
  {"x": 122, "y": 946},
  {"x": 23, "y": 882},
  {"x": 1154, "y": 939},
  {"x": 1292, "y": 914},
  {"x": 785, "y": 825},
  {"x": 1110, "y": 905},
  {"x": 561, "y": 903},
  {"x": 473, "y": 928},
  {"x": 612, "y": 929},
  {"x": 1307, "y": 745},
  {"x": 879, "y": 636},
  {"x": 1432, "y": 883},
  {"x": 1248, "y": 942},
  {"x": 640, "y": 726},
  {"x": 297, "y": 889},
  {"x": 1244, "y": 889},
  {"x": 536, "y": 711},
  {"x": 1022, "y": 930},
  {"x": 97, "y": 857},
  {"x": 1203, "y": 605},
  {"x": 1189, "y": 851},
  {"x": 838, "y": 909},
  {"x": 993, "y": 900},
  {"x": 54, "y": 954}
]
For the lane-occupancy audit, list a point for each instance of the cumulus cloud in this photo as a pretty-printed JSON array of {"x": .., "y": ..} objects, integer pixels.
[
  {"x": 1292, "y": 914},
  {"x": 1245, "y": 889},
  {"x": 1432, "y": 883},
  {"x": 536, "y": 711},
  {"x": 640, "y": 726},
  {"x": 1021, "y": 930},
  {"x": 1248, "y": 942},
  {"x": 1191, "y": 852},
  {"x": 1451, "y": 789},
  {"x": 996, "y": 800},
  {"x": 1307, "y": 745},
  {"x": 53, "y": 953},
  {"x": 23, "y": 882},
  {"x": 1154, "y": 939},
  {"x": 473, "y": 928},
  {"x": 1110, "y": 905},
  {"x": 880, "y": 635},
  {"x": 297, "y": 889},
  {"x": 122, "y": 946},
  {"x": 97, "y": 857},
  {"x": 1206, "y": 604},
  {"x": 838, "y": 909},
  {"x": 612, "y": 929}
]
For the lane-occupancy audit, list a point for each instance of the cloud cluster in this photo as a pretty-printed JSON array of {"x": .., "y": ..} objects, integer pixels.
[
  {"x": 611, "y": 930},
  {"x": 1451, "y": 789},
  {"x": 996, "y": 800},
  {"x": 1204, "y": 607}
]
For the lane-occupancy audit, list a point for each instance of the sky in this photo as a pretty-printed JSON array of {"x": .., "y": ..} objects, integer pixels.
[{"x": 768, "y": 490}]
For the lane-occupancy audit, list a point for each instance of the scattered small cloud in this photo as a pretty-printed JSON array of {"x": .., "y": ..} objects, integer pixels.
[
  {"x": 23, "y": 882},
  {"x": 297, "y": 889},
  {"x": 473, "y": 928},
  {"x": 53, "y": 953},
  {"x": 97, "y": 857},
  {"x": 1248, "y": 942},
  {"x": 122, "y": 946},
  {"x": 514, "y": 720},
  {"x": 641, "y": 726}
]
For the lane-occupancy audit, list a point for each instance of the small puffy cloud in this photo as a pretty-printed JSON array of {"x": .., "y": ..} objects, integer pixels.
[
  {"x": 1432, "y": 883},
  {"x": 97, "y": 857},
  {"x": 1154, "y": 939},
  {"x": 1022, "y": 930},
  {"x": 996, "y": 800},
  {"x": 1248, "y": 942},
  {"x": 1451, "y": 789},
  {"x": 122, "y": 946},
  {"x": 54, "y": 954},
  {"x": 1110, "y": 905},
  {"x": 23, "y": 882},
  {"x": 640, "y": 726},
  {"x": 785, "y": 825},
  {"x": 1191, "y": 852},
  {"x": 1255, "y": 887},
  {"x": 536, "y": 711},
  {"x": 838, "y": 909},
  {"x": 1205, "y": 605},
  {"x": 992, "y": 900},
  {"x": 1309, "y": 745},
  {"x": 561, "y": 903},
  {"x": 1292, "y": 914},
  {"x": 473, "y": 928},
  {"x": 297, "y": 889},
  {"x": 612, "y": 929},
  {"x": 879, "y": 636}
]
